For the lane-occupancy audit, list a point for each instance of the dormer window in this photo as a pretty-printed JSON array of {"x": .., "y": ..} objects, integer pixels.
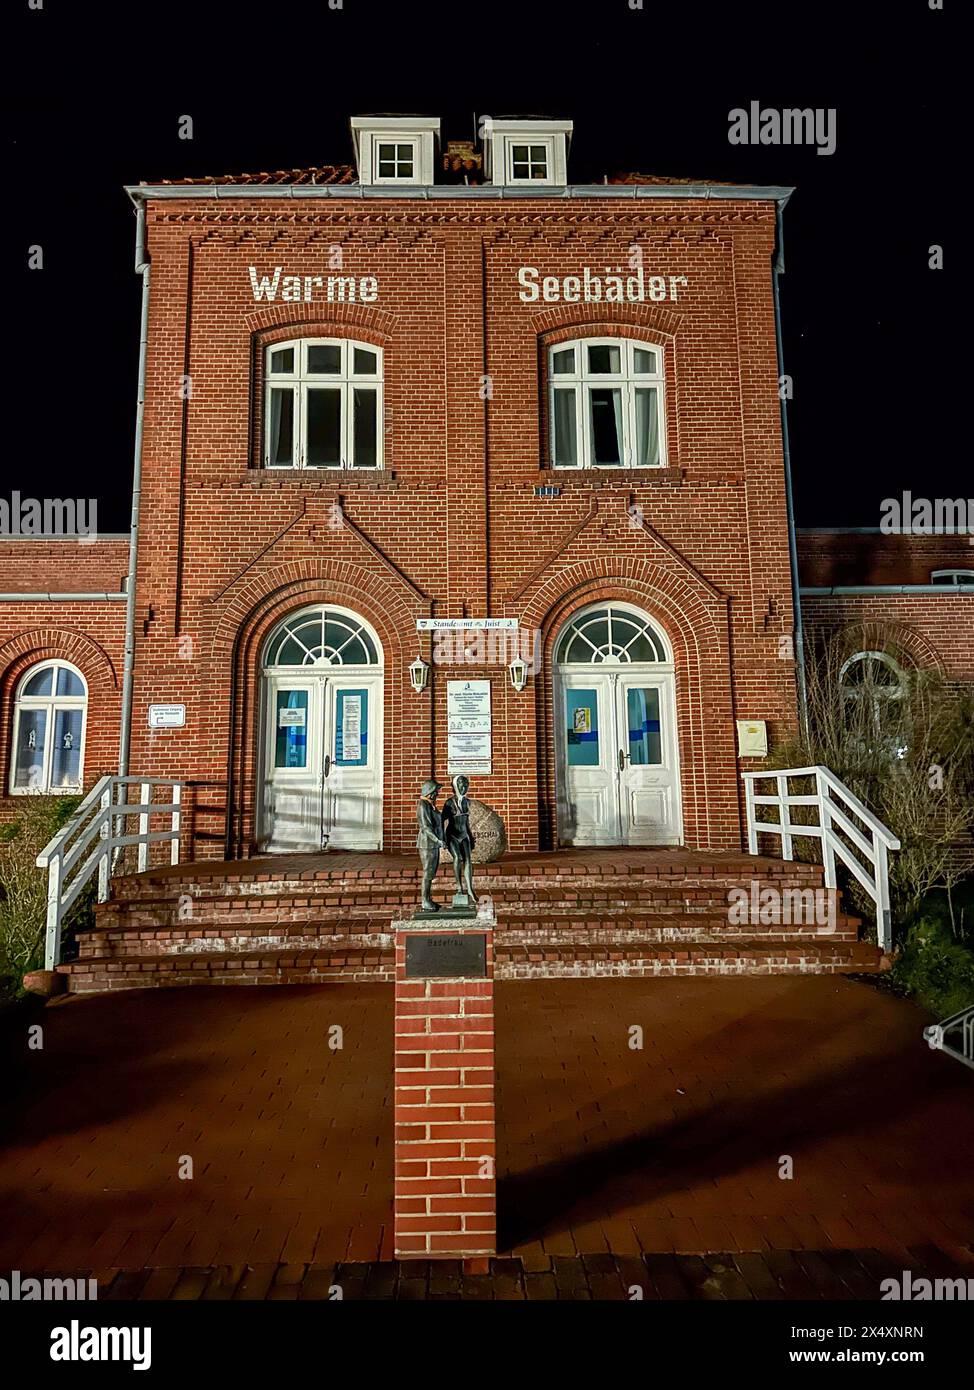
[
  {"x": 395, "y": 160},
  {"x": 526, "y": 152},
  {"x": 529, "y": 162},
  {"x": 393, "y": 150}
]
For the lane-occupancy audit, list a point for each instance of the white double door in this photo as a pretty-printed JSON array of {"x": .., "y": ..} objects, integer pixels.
[
  {"x": 322, "y": 764},
  {"x": 618, "y": 766}
]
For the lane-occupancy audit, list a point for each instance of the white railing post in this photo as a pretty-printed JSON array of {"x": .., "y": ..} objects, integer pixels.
[
  {"x": 825, "y": 821},
  {"x": 176, "y": 823},
  {"x": 106, "y": 834},
  {"x": 145, "y": 796},
  {"x": 752, "y": 833},
  {"x": 784, "y": 815},
  {"x": 52, "y": 939},
  {"x": 884, "y": 924}
]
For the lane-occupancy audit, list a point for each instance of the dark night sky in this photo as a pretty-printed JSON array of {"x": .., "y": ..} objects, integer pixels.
[{"x": 867, "y": 324}]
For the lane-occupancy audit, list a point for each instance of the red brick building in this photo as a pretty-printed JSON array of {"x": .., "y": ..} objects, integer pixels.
[{"x": 445, "y": 464}]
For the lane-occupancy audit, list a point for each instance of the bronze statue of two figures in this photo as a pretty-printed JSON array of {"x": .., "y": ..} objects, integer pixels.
[{"x": 448, "y": 829}]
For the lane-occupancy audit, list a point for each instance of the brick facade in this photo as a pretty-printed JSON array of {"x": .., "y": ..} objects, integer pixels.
[{"x": 452, "y": 526}]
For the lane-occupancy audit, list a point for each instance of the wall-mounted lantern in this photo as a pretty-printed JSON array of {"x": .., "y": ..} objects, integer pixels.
[
  {"x": 519, "y": 673},
  {"x": 419, "y": 674}
]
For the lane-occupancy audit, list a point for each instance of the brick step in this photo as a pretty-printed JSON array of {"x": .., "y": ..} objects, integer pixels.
[
  {"x": 310, "y": 904},
  {"x": 513, "y": 962},
  {"x": 237, "y": 879},
  {"x": 582, "y": 926}
]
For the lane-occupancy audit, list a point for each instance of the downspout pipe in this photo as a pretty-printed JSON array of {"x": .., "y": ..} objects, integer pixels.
[
  {"x": 128, "y": 673},
  {"x": 777, "y": 268}
]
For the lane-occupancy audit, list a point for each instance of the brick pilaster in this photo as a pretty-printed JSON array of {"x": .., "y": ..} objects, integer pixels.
[{"x": 445, "y": 1200}]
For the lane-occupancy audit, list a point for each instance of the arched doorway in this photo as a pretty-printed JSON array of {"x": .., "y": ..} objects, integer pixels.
[
  {"x": 617, "y": 754},
  {"x": 321, "y": 745}
]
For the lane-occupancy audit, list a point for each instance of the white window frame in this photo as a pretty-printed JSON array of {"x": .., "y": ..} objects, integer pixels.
[
  {"x": 959, "y": 579},
  {"x": 301, "y": 381},
  {"x": 414, "y": 143},
  {"x": 51, "y": 703},
  {"x": 546, "y": 142},
  {"x": 581, "y": 381}
]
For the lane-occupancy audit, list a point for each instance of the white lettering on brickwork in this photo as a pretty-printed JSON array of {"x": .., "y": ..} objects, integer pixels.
[
  {"x": 590, "y": 287},
  {"x": 303, "y": 289}
]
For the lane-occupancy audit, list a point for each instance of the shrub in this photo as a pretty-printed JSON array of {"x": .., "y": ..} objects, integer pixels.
[
  {"x": 935, "y": 967},
  {"x": 23, "y": 886}
]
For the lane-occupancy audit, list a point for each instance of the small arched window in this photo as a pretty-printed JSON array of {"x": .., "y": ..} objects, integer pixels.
[
  {"x": 50, "y": 706},
  {"x": 321, "y": 637},
  {"x": 606, "y": 404},
  {"x": 322, "y": 404},
  {"x": 610, "y": 635},
  {"x": 873, "y": 687}
]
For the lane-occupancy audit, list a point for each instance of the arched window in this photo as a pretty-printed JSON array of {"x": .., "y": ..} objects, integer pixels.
[
  {"x": 606, "y": 404},
  {"x": 322, "y": 637},
  {"x": 50, "y": 705},
  {"x": 873, "y": 687},
  {"x": 610, "y": 635},
  {"x": 323, "y": 404}
]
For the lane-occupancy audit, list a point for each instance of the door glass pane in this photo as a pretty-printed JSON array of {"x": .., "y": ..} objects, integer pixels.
[
  {"x": 280, "y": 428},
  {"x": 605, "y": 404},
  {"x": 647, "y": 428},
  {"x": 325, "y": 358},
  {"x": 291, "y": 727},
  {"x": 565, "y": 442},
  {"x": 642, "y": 717},
  {"x": 31, "y": 734},
  {"x": 324, "y": 449},
  {"x": 582, "y": 728},
  {"x": 66, "y": 753},
  {"x": 603, "y": 358},
  {"x": 352, "y": 728},
  {"x": 365, "y": 428}
]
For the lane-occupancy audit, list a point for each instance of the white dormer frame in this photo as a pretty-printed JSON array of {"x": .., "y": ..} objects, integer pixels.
[
  {"x": 421, "y": 133},
  {"x": 501, "y": 138}
]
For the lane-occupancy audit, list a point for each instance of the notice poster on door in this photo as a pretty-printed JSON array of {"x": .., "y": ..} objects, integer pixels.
[
  {"x": 468, "y": 736},
  {"x": 291, "y": 718},
  {"x": 350, "y": 748}
]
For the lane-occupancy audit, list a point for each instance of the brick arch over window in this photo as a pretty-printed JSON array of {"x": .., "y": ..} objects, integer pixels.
[
  {"x": 907, "y": 645},
  {"x": 650, "y": 324},
  {"x": 32, "y": 647},
  {"x": 696, "y": 625},
  {"x": 237, "y": 644}
]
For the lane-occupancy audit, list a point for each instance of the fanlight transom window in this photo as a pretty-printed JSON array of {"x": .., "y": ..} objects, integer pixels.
[
  {"x": 49, "y": 729},
  {"x": 321, "y": 637},
  {"x": 606, "y": 404},
  {"x": 610, "y": 635}
]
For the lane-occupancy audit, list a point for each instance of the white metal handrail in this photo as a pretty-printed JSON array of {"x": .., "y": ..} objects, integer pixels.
[
  {"x": 838, "y": 811},
  {"x": 88, "y": 842},
  {"x": 961, "y": 1025}
]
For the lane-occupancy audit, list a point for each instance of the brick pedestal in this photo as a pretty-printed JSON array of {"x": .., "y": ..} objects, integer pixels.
[{"x": 445, "y": 1203}]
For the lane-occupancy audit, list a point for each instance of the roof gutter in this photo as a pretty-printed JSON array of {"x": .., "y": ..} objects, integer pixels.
[
  {"x": 128, "y": 673},
  {"x": 866, "y": 589},
  {"x": 21, "y": 597},
  {"x": 356, "y": 192}
]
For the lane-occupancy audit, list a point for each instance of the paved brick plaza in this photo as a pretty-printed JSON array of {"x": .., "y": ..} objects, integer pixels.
[{"x": 604, "y": 1151}]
